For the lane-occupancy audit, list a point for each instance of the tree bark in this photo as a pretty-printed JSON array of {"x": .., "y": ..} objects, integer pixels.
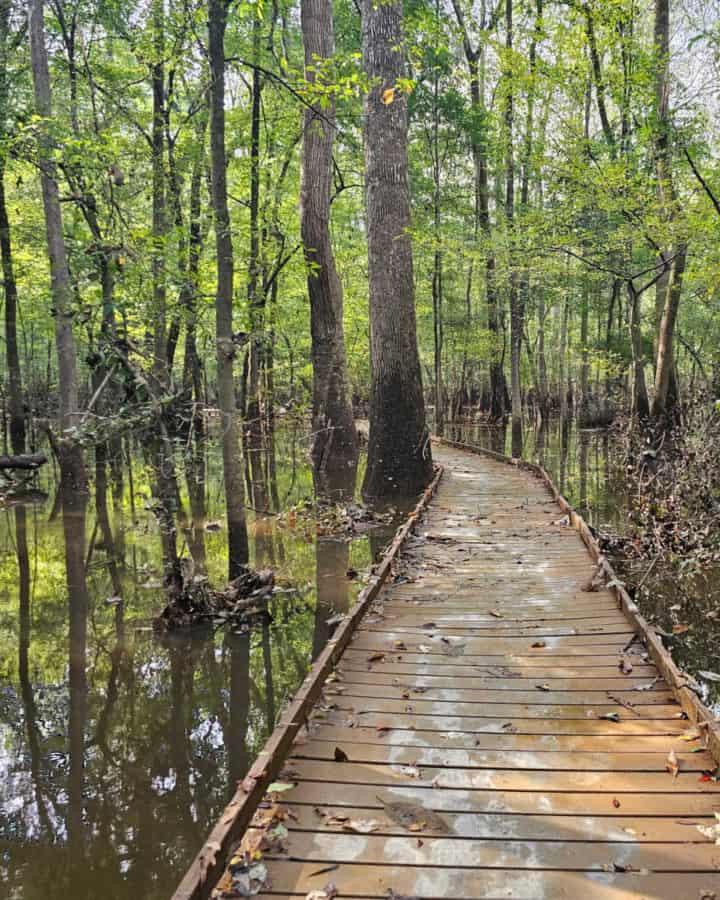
[
  {"x": 12, "y": 356},
  {"x": 399, "y": 458},
  {"x": 664, "y": 398},
  {"x": 639, "y": 399},
  {"x": 232, "y": 463},
  {"x": 478, "y": 143},
  {"x": 59, "y": 272},
  {"x": 516, "y": 310},
  {"x": 159, "y": 212},
  {"x": 334, "y": 438}
]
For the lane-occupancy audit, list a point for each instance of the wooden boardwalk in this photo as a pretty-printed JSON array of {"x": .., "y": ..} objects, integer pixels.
[{"x": 492, "y": 729}]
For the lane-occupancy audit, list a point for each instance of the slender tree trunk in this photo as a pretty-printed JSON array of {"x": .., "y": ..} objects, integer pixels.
[
  {"x": 584, "y": 401},
  {"x": 639, "y": 399},
  {"x": 334, "y": 438},
  {"x": 62, "y": 294},
  {"x": 664, "y": 397},
  {"x": 159, "y": 212},
  {"x": 437, "y": 277},
  {"x": 12, "y": 355},
  {"x": 232, "y": 463},
  {"x": 399, "y": 458},
  {"x": 256, "y": 294},
  {"x": 479, "y": 147},
  {"x": 192, "y": 365}
]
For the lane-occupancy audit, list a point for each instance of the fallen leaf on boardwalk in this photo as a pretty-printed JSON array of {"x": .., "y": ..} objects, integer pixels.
[
  {"x": 680, "y": 629},
  {"x": 323, "y": 894},
  {"x": 709, "y": 676},
  {"x": 616, "y": 803},
  {"x": 340, "y": 755},
  {"x": 383, "y": 729},
  {"x": 672, "y": 765},
  {"x": 711, "y": 832},
  {"x": 429, "y": 625},
  {"x": 625, "y": 665},
  {"x": 410, "y": 771},
  {"x": 509, "y": 727},
  {"x": 324, "y": 870},
  {"x": 414, "y": 818},
  {"x": 539, "y": 644},
  {"x": 248, "y": 879},
  {"x": 363, "y": 826},
  {"x": 610, "y": 717},
  {"x": 207, "y": 858},
  {"x": 648, "y": 686},
  {"x": 690, "y": 736},
  {"x": 622, "y": 702},
  {"x": 248, "y": 784},
  {"x": 423, "y": 648},
  {"x": 375, "y": 657},
  {"x": 279, "y": 787},
  {"x": 400, "y": 645},
  {"x": 496, "y": 613},
  {"x": 543, "y": 687}
]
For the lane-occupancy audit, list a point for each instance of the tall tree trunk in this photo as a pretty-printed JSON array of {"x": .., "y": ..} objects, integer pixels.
[
  {"x": 256, "y": 294},
  {"x": 232, "y": 463},
  {"x": 159, "y": 212},
  {"x": 334, "y": 440},
  {"x": 437, "y": 277},
  {"x": 12, "y": 355},
  {"x": 59, "y": 272},
  {"x": 479, "y": 147},
  {"x": 516, "y": 310},
  {"x": 663, "y": 396},
  {"x": 399, "y": 458}
]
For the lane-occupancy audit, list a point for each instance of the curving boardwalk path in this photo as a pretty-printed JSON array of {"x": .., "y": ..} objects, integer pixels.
[{"x": 479, "y": 738}]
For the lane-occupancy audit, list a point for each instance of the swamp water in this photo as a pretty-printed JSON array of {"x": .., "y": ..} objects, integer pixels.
[{"x": 119, "y": 748}]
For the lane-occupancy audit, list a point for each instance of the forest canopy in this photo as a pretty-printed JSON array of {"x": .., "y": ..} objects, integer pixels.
[{"x": 563, "y": 176}]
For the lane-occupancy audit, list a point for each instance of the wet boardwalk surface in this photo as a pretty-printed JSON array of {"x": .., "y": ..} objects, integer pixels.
[{"x": 492, "y": 729}]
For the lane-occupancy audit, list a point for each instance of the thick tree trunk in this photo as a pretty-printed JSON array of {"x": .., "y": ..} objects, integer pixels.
[
  {"x": 334, "y": 438},
  {"x": 399, "y": 457},
  {"x": 232, "y": 463},
  {"x": 59, "y": 272}
]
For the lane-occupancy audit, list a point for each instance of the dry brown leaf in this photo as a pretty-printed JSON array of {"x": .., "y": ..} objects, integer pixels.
[
  {"x": 672, "y": 765},
  {"x": 207, "y": 858}
]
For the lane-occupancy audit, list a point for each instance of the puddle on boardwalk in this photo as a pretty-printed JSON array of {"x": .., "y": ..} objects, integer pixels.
[{"x": 118, "y": 749}]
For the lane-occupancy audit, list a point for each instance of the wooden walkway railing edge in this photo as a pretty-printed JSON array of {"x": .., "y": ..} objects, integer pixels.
[
  {"x": 683, "y": 689},
  {"x": 210, "y": 862}
]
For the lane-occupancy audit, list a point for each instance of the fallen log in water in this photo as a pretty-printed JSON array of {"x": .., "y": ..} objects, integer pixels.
[
  {"x": 26, "y": 461},
  {"x": 195, "y": 602}
]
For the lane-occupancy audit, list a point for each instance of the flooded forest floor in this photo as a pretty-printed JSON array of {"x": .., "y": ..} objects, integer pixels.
[{"x": 119, "y": 747}]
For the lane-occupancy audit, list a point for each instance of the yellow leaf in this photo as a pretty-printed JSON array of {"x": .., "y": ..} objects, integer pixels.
[{"x": 388, "y": 96}]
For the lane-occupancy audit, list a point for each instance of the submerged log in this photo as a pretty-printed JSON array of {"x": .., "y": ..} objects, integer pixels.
[{"x": 26, "y": 461}]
